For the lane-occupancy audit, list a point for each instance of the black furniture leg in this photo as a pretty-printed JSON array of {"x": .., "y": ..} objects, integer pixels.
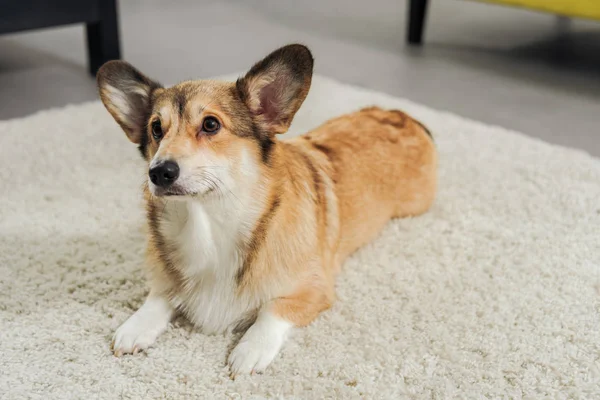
[
  {"x": 103, "y": 36},
  {"x": 417, "y": 12}
]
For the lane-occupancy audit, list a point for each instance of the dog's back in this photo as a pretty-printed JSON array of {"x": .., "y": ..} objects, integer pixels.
[{"x": 383, "y": 166}]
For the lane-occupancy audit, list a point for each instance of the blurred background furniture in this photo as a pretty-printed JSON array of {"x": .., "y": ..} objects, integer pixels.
[
  {"x": 99, "y": 16},
  {"x": 571, "y": 8}
]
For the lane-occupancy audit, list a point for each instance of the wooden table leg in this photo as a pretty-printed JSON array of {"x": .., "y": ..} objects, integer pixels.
[
  {"x": 417, "y": 12},
  {"x": 103, "y": 36}
]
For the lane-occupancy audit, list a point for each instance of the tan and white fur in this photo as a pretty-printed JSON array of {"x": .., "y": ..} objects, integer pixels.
[{"x": 246, "y": 229}]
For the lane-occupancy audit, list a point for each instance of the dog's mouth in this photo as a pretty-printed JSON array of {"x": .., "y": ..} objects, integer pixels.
[
  {"x": 171, "y": 191},
  {"x": 178, "y": 191}
]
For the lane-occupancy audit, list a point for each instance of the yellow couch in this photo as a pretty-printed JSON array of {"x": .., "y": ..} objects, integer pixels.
[{"x": 572, "y": 8}]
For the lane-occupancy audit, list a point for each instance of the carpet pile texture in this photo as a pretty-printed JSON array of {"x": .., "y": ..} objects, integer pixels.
[{"x": 495, "y": 293}]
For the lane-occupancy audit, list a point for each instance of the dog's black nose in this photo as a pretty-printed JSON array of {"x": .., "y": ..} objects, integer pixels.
[{"x": 164, "y": 174}]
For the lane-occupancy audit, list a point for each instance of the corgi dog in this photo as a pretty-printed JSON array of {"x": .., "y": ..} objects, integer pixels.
[{"x": 248, "y": 231}]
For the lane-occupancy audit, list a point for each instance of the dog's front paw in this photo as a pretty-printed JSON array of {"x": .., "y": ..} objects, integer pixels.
[
  {"x": 134, "y": 336},
  {"x": 252, "y": 356},
  {"x": 259, "y": 345},
  {"x": 141, "y": 329}
]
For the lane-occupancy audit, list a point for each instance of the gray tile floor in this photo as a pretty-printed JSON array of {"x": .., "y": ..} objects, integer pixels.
[{"x": 527, "y": 71}]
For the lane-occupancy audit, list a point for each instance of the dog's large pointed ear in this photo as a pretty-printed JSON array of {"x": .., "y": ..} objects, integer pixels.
[
  {"x": 275, "y": 87},
  {"x": 126, "y": 94}
]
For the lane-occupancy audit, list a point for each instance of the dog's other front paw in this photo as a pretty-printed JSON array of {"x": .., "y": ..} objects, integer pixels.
[
  {"x": 253, "y": 356},
  {"x": 141, "y": 329},
  {"x": 259, "y": 345},
  {"x": 133, "y": 336}
]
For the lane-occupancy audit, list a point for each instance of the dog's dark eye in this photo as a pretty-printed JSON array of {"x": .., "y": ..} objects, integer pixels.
[
  {"x": 210, "y": 125},
  {"x": 157, "y": 132}
]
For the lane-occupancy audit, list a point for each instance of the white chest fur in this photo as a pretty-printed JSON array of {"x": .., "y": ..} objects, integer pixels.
[{"x": 207, "y": 238}]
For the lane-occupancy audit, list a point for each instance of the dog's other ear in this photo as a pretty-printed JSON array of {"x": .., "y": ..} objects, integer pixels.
[
  {"x": 275, "y": 87},
  {"x": 126, "y": 94}
]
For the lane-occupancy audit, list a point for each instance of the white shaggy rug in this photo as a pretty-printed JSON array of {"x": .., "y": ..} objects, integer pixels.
[{"x": 495, "y": 293}]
